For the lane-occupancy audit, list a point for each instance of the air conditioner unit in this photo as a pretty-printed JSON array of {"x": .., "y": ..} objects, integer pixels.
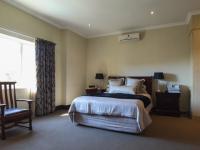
[{"x": 128, "y": 37}]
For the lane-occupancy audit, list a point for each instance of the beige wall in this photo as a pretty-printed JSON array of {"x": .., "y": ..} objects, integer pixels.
[
  {"x": 69, "y": 53},
  {"x": 75, "y": 79},
  {"x": 164, "y": 50},
  {"x": 194, "y": 22},
  {"x": 195, "y": 45},
  {"x": 16, "y": 20}
]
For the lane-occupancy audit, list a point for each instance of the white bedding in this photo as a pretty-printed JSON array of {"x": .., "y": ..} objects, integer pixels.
[{"x": 128, "y": 108}]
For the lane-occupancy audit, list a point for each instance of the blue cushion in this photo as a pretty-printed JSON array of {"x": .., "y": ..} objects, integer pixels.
[{"x": 12, "y": 111}]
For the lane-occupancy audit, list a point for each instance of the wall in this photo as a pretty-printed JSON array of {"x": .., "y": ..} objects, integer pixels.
[
  {"x": 164, "y": 50},
  {"x": 195, "y": 46},
  {"x": 69, "y": 53},
  {"x": 75, "y": 51},
  {"x": 20, "y": 22}
]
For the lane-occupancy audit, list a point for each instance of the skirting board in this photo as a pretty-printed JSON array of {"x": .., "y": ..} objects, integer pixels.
[
  {"x": 61, "y": 107},
  {"x": 196, "y": 118}
]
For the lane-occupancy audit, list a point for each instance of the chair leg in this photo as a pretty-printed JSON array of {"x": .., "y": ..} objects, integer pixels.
[
  {"x": 30, "y": 123},
  {"x": 30, "y": 116},
  {"x": 3, "y": 135}
]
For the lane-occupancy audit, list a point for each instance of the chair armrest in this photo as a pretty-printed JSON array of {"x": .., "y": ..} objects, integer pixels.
[
  {"x": 2, "y": 105},
  {"x": 24, "y": 100}
]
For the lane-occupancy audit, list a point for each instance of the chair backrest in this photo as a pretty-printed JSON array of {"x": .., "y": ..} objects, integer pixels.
[{"x": 8, "y": 94}]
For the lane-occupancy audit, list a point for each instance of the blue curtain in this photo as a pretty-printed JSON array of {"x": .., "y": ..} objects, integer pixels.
[{"x": 45, "y": 74}]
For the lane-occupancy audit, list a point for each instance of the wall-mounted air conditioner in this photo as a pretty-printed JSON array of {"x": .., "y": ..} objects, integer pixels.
[{"x": 128, "y": 37}]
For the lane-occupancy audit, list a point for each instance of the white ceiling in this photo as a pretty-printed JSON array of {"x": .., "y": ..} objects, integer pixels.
[{"x": 109, "y": 16}]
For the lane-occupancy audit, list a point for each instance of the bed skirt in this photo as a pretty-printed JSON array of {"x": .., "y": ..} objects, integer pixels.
[{"x": 121, "y": 124}]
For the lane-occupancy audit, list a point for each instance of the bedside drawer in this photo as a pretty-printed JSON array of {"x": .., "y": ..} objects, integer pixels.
[{"x": 167, "y": 103}]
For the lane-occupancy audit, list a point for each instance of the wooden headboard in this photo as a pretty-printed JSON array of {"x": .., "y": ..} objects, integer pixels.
[{"x": 147, "y": 83}]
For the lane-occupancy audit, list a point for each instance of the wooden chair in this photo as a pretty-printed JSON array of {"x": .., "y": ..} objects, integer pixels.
[{"x": 10, "y": 114}]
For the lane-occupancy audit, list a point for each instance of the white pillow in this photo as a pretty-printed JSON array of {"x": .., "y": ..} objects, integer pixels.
[
  {"x": 115, "y": 82},
  {"x": 137, "y": 84},
  {"x": 122, "y": 89}
]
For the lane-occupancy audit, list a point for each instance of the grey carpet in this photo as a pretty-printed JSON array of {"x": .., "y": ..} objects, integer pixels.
[{"x": 56, "y": 132}]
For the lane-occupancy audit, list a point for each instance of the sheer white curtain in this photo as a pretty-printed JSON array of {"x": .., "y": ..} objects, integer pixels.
[{"x": 17, "y": 62}]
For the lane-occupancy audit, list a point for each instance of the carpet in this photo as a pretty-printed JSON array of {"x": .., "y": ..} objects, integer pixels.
[{"x": 56, "y": 132}]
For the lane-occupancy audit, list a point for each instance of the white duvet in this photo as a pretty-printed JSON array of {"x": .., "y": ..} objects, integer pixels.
[{"x": 130, "y": 108}]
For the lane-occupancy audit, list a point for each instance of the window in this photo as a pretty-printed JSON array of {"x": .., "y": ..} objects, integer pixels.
[{"x": 17, "y": 61}]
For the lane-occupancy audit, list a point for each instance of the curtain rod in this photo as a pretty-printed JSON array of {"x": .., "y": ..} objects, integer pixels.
[{"x": 17, "y": 33}]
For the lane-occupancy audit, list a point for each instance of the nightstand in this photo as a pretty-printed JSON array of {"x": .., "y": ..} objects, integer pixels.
[
  {"x": 94, "y": 91},
  {"x": 167, "y": 103}
]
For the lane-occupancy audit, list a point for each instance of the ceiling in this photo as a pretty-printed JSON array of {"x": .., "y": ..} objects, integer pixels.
[{"x": 109, "y": 16}]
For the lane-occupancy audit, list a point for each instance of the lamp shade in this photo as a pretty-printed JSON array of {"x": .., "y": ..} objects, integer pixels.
[
  {"x": 158, "y": 75},
  {"x": 99, "y": 76}
]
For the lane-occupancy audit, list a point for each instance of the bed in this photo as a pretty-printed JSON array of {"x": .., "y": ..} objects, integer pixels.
[{"x": 118, "y": 113}]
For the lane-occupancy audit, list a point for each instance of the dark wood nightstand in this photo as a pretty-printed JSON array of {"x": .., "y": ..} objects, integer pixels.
[
  {"x": 94, "y": 91},
  {"x": 167, "y": 103}
]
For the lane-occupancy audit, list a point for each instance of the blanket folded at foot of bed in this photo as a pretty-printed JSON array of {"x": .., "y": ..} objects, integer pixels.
[{"x": 142, "y": 98}]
